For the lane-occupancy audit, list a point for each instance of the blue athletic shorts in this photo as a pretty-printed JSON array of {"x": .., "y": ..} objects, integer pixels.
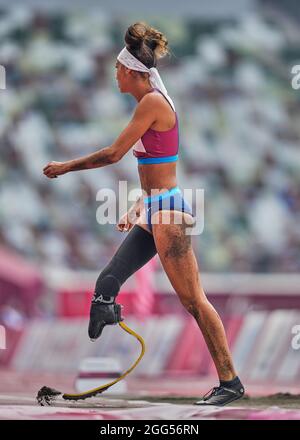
[{"x": 170, "y": 200}]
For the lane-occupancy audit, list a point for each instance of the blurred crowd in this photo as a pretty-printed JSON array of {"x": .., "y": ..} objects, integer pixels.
[{"x": 239, "y": 136}]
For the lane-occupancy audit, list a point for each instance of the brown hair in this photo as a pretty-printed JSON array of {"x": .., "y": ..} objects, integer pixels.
[{"x": 146, "y": 43}]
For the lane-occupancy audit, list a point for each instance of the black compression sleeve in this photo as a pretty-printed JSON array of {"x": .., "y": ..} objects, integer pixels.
[{"x": 134, "y": 252}]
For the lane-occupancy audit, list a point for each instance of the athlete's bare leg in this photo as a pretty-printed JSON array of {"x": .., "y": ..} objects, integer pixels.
[{"x": 179, "y": 262}]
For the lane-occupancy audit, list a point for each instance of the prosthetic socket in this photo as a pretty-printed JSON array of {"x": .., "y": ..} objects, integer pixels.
[{"x": 135, "y": 251}]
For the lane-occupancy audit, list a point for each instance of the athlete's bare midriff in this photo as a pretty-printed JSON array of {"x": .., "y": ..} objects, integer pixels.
[{"x": 157, "y": 177}]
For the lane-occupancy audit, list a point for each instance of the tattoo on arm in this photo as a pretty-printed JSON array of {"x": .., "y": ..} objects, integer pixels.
[{"x": 98, "y": 159}]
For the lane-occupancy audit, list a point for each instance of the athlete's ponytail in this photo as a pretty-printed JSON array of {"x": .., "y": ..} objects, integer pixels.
[{"x": 146, "y": 43}]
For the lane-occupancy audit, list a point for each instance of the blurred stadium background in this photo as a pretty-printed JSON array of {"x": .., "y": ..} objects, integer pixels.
[{"x": 230, "y": 77}]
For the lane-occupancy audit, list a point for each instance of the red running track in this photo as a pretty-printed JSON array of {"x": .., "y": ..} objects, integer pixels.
[{"x": 17, "y": 401}]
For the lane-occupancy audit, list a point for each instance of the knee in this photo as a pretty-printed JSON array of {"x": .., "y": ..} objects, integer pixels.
[
  {"x": 194, "y": 308},
  {"x": 189, "y": 304},
  {"x": 107, "y": 284}
]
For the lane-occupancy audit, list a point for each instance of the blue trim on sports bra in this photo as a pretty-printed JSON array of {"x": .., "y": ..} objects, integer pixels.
[{"x": 150, "y": 160}]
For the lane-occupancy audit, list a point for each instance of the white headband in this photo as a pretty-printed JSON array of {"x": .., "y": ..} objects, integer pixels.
[{"x": 129, "y": 61}]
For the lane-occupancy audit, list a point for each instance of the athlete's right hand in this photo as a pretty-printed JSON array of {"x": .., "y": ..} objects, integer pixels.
[{"x": 125, "y": 224}]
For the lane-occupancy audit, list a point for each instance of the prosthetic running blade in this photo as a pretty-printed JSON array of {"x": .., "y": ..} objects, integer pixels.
[{"x": 46, "y": 395}]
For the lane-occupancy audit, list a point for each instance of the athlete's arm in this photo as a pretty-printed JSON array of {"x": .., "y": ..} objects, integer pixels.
[{"x": 144, "y": 116}]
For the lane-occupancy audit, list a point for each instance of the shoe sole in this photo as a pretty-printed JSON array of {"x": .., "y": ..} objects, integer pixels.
[{"x": 221, "y": 404}]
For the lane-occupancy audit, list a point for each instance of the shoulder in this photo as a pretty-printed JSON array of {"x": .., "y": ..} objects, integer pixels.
[
  {"x": 152, "y": 98},
  {"x": 149, "y": 104},
  {"x": 152, "y": 102}
]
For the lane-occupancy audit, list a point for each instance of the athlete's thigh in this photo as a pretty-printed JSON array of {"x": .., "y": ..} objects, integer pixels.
[
  {"x": 134, "y": 252},
  {"x": 175, "y": 251}
]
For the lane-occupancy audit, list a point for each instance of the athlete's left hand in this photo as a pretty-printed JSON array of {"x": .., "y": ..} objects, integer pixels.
[{"x": 54, "y": 169}]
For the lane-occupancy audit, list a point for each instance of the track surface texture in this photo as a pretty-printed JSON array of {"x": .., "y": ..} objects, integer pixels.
[{"x": 146, "y": 399}]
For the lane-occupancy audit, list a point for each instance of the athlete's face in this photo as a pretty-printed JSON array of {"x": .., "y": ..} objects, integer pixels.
[{"x": 123, "y": 77}]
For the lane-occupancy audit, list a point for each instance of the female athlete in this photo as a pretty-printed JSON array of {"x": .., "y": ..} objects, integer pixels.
[{"x": 153, "y": 132}]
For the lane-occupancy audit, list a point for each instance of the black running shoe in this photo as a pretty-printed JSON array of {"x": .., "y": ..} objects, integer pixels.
[
  {"x": 102, "y": 315},
  {"x": 221, "y": 396}
]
